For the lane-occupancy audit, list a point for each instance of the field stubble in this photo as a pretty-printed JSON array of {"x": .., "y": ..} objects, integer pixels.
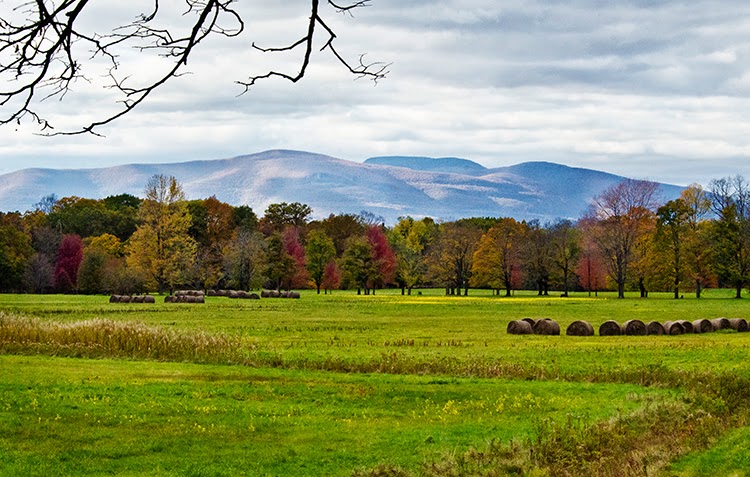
[{"x": 447, "y": 336}]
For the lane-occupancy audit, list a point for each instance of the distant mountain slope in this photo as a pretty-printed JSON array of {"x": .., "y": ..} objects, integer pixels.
[
  {"x": 391, "y": 187},
  {"x": 451, "y": 165}
]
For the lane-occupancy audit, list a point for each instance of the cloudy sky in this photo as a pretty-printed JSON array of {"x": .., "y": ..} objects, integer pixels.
[{"x": 644, "y": 88}]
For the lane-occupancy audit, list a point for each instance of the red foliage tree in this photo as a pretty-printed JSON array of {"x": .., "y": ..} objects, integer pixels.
[
  {"x": 294, "y": 248},
  {"x": 331, "y": 277},
  {"x": 383, "y": 254},
  {"x": 69, "y": 258}
]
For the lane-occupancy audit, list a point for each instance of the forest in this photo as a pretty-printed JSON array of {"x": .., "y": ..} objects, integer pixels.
[{"x": 630, "y": 239}]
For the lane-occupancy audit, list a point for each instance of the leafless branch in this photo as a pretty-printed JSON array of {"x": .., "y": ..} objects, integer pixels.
[
  {"x": 374, "y": 71},
  {"x": 43, "y": 51}
]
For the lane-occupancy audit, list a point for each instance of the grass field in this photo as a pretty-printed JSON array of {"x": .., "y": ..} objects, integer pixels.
[{"x": 373, "y": 385}]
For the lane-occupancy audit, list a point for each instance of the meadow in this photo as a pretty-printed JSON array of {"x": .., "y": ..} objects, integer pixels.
[{"x": 367, "y": 385}]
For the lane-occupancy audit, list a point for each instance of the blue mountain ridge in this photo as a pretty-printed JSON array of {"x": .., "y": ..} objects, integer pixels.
[{"x": 392, "y": 186}]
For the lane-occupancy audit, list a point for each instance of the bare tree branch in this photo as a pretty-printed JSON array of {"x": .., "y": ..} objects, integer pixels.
[{"x": 43, "y": 50}]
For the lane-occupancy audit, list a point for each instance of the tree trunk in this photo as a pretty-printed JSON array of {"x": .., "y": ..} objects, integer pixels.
[
  {"x": 697, "y": 289},
  {"x": 621, "y": 290},
  {"x": 676, "y": 293},
  {"x": 739, "y": 290},
  {"x": 318, "y": 289},
  {"x": 359, "y": 291}
]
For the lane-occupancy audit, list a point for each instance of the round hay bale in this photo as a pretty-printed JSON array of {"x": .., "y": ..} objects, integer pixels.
[
  {"x": 634, "y": 328},
  {"x": 114, "y": 299},
  {"x": 274, "y": 294},
  {"x": 580, "y": 328},
  {"x": 673, "y": 328},
  {"x": 199, "y": 299},
  {"x": 211, "y": 293},
  {"x": 125, "y": 299},
  {"x": 254, "y": 296},
  {"x": 137, "y": 299},
  {"x": 519, "y": 327},
  {"x": 610, "y": 328},
  {"x": 221, "y": 293},
  {"x": 149, "y": 299},
  {"x": 530, "y": 321},
  {"x": 655, "y": 328},
  {"x": 265, "y": 294},
  {"x": 233, "y": 294},
  {"x": 688, "y": 325},
  {"x": 739, "y": 325},
  {"x": 546, "y": 327},
  {"x": 702, "y": 326},
  {"x": 169, "y": 299},
  {"x": 720, "y": 324},
  {"x": 180, "y": 293},
  {"x": 294, "y": 295},
  {"x": 242, "y": 294}
]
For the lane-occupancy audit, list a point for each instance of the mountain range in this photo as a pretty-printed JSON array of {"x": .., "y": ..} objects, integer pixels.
[{"x": 392, "y": 186}]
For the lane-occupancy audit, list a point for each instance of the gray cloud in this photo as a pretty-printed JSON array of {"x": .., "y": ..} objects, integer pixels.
[{"x": 651, "y": 89}]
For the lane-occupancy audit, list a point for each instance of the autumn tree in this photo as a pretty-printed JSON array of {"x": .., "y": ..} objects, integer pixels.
[
  {"x": 497, "y": 260},
  {"x": 39, "y": 274},
  {"x": 383, "y": 256},
  {"x": 279, "y": 216},
  {"x": 69, "y": 258},
  {"x": 452, "y": 256},
  {"x": 296, "y": 250},
  {"x": 340, "y": 228},
  {"x": 331, "y": 277},
  {"x": 279, "y": 265},
  {"x": 566, "y": 249},
  {"x": 161, "y": 248},
  {"x": 697, "y": 242},
  {"x": 537, "y": 254},
  {"x": 320, "y": 252},
  {"x": 618, "y": 218}
]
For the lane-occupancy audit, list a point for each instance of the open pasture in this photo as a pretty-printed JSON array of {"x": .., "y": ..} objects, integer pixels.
[{"x": 335, "y": 384}]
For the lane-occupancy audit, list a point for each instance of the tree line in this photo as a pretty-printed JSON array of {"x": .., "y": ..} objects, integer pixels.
[{"x": 630, "y": 239}]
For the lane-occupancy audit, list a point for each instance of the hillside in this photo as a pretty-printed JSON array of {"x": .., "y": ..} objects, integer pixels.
[{"x": 446, "y": 188}]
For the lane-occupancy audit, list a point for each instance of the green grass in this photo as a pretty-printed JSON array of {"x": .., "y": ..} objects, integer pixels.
[
  {"x": 334, "y": 383},
  {"x": 729, "y": 457},
  {"x": 97, "y": 417}
]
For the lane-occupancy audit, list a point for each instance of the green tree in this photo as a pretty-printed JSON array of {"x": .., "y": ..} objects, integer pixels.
[
  {"x": 697, "y": 245},
  {"x": 15, "y": 251},
  {"x": 731, "y": 231},
  {"x": 320, "y": 251},
  {"x": 672, "y": 226},
  {"x": 278, "y": 217},
  {"x": 244, "y": 260},
  {"x": 280, "y": 266},
  {"x": 359, "y": 264},
  {"x": 161, "y": 248},
  {"x": 411, "y": 240}
]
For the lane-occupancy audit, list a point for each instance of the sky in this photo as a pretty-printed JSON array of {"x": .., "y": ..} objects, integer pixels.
[{"x": 647, "y": 89}]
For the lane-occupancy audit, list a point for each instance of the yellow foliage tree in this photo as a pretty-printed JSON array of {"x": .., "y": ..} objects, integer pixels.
[{"x": 161, "y": 248}]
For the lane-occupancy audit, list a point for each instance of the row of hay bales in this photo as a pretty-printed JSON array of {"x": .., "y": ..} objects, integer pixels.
[
  {"x": 132, "y": 299},
  {"x": 189, "y": 293},
  {"x": 184, "y": 299},
  {"x": 546, "y": 326},
  {"x": 234, "y": 294},
  {"x": 530, "y": 326},
  {"x": 278, "y": 294},
  {"x": 677, "y": 327}
]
